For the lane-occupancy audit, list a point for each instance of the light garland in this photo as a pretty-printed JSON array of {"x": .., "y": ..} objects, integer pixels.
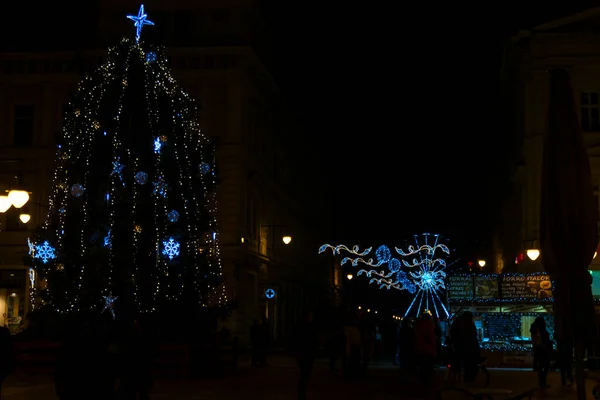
[
  {"x": 112, "y": 158},
  {"x": 423, "y": 275}
]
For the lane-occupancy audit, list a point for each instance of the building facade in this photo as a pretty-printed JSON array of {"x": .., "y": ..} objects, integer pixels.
[
  {"x": 262, "y": 190},
  {"x": 572, "y": 43}
]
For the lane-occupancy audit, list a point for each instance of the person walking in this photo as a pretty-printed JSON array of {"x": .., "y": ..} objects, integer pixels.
[
  {"x": 306, "y": 344},
  {"x": 425, "y": 349},
  {"x": 6, "y": 355},
  {"x": 542, "y": 348}
]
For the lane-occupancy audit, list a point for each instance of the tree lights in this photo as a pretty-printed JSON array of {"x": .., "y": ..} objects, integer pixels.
[{"x": 133, "y": 205}]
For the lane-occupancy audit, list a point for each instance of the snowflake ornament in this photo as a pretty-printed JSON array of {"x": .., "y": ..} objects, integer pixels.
[
  {"x": 44, "y": 252},
  {"x": 171, "y": 248}
]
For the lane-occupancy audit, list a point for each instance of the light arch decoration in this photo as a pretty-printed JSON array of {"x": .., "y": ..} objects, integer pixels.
[{"x": 419, "y": 269}]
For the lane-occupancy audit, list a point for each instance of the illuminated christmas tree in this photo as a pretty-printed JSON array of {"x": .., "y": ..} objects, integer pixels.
[{"x": 132, "y": 223}]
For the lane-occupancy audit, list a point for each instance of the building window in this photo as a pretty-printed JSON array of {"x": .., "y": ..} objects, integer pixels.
[
  {"x": 590, "y": 112},
  {"x": 23, "y": 125}
]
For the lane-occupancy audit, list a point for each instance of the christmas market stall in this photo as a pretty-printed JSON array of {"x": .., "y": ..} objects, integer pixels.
[{"x": 504, "y": 307}]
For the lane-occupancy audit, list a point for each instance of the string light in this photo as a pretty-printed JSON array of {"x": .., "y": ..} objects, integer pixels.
[
  {"x": 103, "y": 163},
  {"x": 423, "y": 275}
]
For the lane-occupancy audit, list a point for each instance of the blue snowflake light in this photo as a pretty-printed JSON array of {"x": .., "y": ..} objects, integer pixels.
[
  {"x": 139, "y": 21},
  {"x": 77, "y": 190},
  {"x": 118, "y": 169},
  {"x": 420, "y": 270},
  {"x": 44, "y": 252},
  {"x": 170, "y": 248}
]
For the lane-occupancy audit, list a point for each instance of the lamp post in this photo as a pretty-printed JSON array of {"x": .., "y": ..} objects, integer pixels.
[{"x": 532, "y": 250}]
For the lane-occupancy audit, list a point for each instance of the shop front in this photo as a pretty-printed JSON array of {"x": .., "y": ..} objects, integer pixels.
[
  {"x": 13, "y": 299},
  {"x": 504, "y": 307}
]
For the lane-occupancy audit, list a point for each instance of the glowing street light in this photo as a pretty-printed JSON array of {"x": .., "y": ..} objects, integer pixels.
[
  {"x": 287, "y": 239},
  {"x": 481, "y": 263},
  {"x": 24, "y": 218},
  {"x": 18, "y": 198},
  {"x": 5, "y": 204},
  {"x": 349, "y": 276},
  {"x": 533, "y": 254}
]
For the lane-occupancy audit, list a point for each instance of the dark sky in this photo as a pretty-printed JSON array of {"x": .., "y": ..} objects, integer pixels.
[
  {"x": 407, "y": 105},
  {"x": 403, "y": 104}
]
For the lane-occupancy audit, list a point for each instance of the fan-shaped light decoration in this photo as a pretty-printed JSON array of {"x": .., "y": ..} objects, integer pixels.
[
  {"x": 18, "y": 198},
  {"x": 24, "y": 218},
  {"x": 5, "y": 204}
]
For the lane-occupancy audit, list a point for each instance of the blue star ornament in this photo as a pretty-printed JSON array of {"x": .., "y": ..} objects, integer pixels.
[{"x": 140, "y": 20}]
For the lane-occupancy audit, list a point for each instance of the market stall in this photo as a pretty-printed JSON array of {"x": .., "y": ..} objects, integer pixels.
[{"x": 504, "y": 307}]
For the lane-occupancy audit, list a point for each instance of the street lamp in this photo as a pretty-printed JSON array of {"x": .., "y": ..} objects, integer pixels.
[
  {"x": 481, "y": 263},
  {"x": 349, "y": 276},
  {"x": 5, "y": 204},
  {"x": 24, "y": 218},
  {"x": 286, "y": 239},
  {"x": 18, "y": 198},
  {"x": 533, "y": 254}
]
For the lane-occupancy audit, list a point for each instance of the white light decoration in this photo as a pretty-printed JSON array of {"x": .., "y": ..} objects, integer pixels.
[
  {"x": 533, "y": 254},
  {"x": 481, "y": 263},
  {"x": 349, "y": 277},
  {"x": 25, "y": 218},
  {"x": 18, "y": 198},
  {"x": 287, "y": 239},
  {"x": 418, "y": 270},
  {"x": 5, "y": 204}
]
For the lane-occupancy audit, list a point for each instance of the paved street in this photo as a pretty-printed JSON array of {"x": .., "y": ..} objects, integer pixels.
[{"x": 278, "y": 382}]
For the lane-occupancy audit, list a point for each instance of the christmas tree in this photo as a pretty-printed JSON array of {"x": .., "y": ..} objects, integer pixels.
[{"x": 131, "y": 226}]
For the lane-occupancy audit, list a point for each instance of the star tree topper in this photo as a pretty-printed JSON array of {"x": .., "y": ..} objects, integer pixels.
[
  {"x": 109, "y": 304},
  {"x": 140, "y": 20}
]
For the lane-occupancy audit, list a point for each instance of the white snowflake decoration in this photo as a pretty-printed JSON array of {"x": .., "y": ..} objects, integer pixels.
[
  {"x": 44, "y": 252},
  {"x": 171, "y": 248}
]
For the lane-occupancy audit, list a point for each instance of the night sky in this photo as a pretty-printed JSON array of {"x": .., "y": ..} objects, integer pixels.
[{"x": 402, "y": 105}]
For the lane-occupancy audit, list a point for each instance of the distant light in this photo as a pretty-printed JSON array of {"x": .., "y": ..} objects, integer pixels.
[
  {"x": 368, "y": 310},
  {"x": 13, "y": 295},
  {"x": 287, "y": 239},
  {"x": 481, "y": 263},
  {"x": 242, "y": 240},
  {"x": 349, "y": 276},
  {"x": 533, "y": 254},
  {"x": 24, "y": 218}
]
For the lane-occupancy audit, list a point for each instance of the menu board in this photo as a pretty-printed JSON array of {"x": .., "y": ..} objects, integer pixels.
[
  {"x": 526, "y": 286},
  {"x": 595, "y": 283},
  {"x": 504, "y": 327},
  {"x": 486, "y": 287},
  {"x": 460, "y": 287}
]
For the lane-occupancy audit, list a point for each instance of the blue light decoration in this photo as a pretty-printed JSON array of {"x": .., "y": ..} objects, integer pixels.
[
  {"x": 44, "y": 252},
  {"x": 140, "y": 20},
  {"x": 108, "y": 240},
  {"x": 157, "y": 145},
  {"x": 204, "y": 168},
  {"x": 151, "y": 57},
  {"x": 173, "y": 216},
  {"x": 141, "y": 177},
  {"x": 118, "y": 169},
  {"x": 423, "y": 275},
  {"x": 77, "y": 190},
  {"x": 170, "y": 248},
  {"x": 270, "y": 293},
  {"x": 109, "y": 303},
  {"x": 160, "y": 187}
]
